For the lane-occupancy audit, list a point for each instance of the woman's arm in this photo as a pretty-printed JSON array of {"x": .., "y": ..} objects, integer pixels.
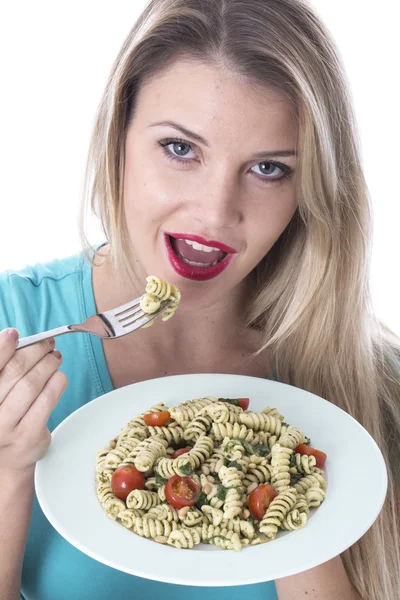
[
  {"x": 328, "y": 581},
  {"x": 15, "y": 513}
]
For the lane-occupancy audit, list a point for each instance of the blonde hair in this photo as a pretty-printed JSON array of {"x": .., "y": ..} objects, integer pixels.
[{"x": 313, "y": 302}]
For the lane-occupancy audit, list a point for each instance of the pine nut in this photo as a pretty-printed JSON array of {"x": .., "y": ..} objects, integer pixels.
[
  {"x": 161, "y": 539},
  {"x": 207, "y": 488}
]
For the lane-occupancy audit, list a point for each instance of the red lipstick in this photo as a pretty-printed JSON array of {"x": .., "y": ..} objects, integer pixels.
[
  {"x": 200, "y": 240},
  {"x": 197, "y": 273}
]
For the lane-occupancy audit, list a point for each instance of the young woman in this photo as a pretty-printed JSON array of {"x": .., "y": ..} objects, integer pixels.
[{"x": 224, "y": 160}]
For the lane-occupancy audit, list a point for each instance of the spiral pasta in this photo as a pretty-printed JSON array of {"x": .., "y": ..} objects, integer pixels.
[
  {"x": 280, "y": 462},
  {"x": 149, "y": 451},
  {"x": 228, "y": 453},
  {"x": 184, "y": 537},
  {"x": 152, "y": 528},
  {"x": 292, "y": 437},
  {"x": 201, "y": 451},
  {"x": 128, "y": 516},
  {"x": 263, "y": 422},
  {"x": 111, "y": 504},
  {"x": 256, "y": 475},
  {"x": 235, "y": 430},
  {"x": 315, "y": 480},
  {"x": 142, "y": 499},
  {"x": 163, "y": 512},
  {"x": 157, "y": 291},
  {"x": 277, "y": 511},
  {"x": 200, "y": 425},
  {"x": 186, "y": 411},
  {"x": 168, "y": 467},
  {"x": 315, "y": 496},
  {"x": 304, "y": 464},
  {"x": 172, "y": 435}
]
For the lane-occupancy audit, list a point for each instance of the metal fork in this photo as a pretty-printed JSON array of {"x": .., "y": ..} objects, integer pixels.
[{"x": 110, "y": 324}]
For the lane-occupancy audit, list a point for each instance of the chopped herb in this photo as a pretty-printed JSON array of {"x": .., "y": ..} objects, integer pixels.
[
  {"x": 186, "y": 469},
  {"x": 236, "y": 465},
  {"x": 261, "y": 450},
  {"x": 295, "y": 479},
  {"x": 201, "y": 499},
  {"x": 216, "y": 477},
  {"x": 240, "y": 491},
  {"x": 221, "y": 493},
  {"x": 160, "y": 480},
  {"x": 233, "y": 401},
  {"x": 285, "y": 424},
  {"x": 292, "y": 462},
  {"x": 169, "y": 422},
  {"x": 249, "y": 449},
  {"x": 308, "y": 441},
  {"x": 183, "y": 444}
]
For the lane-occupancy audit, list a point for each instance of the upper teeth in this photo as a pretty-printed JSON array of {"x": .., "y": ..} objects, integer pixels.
[{"x": 201, "y": 247}]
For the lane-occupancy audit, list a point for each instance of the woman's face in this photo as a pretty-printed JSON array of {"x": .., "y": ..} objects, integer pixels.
[{"x": 209, "y": 178}]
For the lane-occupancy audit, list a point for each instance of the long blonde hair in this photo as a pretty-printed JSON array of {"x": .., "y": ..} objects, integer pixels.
[{"x": 313, "y": 302}]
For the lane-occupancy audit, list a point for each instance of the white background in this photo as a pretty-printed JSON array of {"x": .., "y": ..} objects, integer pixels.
[{"x": 55, "y": 58}]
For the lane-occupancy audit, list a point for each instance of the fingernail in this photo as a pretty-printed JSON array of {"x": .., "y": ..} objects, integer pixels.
[
  {"x": 56, "y": 353},
  {"x": 52, "y": 341},
  {"x": 13, "y": 334}
]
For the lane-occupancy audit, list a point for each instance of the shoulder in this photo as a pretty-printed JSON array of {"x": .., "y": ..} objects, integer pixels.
[{"x": 28, "y": 294}]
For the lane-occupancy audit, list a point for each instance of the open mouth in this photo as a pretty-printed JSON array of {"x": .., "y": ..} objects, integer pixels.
[
  {"x": 195, "y": 260},
  {"x": 195, "y": 254}
]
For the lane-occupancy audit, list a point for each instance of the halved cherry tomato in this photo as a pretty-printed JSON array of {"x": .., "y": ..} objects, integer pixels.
[
  {"x": 125, "y": 479},
  {"x": 180, "y": 451},
  {"x": 260, "y": 499},
  {"x": 244, "y": 403},
  {"x": 181, "y": 491},
  {"x": 157, "y": 419},
  {"x": 319, "y": 455}
]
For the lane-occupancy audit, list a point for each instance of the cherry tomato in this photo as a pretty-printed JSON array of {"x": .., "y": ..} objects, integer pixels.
[
  {"x": 319, "y": 455},
  {"x": 157, "y": 419},
  {"x": 125, "y": 479},
  {"x": 181, "y": 491},
  {"x": 244, "y": 403},
  {"x": 180, "y": 451},
  {"x": 260, "y": 499}
]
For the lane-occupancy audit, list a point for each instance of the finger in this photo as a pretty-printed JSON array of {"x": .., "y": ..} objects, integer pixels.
[
  {"x": 37, "y": 416},
  {"x": 21, "y": 362},
  {"x": 25, "y": 392},
  {"x": 8, "y": 344}
]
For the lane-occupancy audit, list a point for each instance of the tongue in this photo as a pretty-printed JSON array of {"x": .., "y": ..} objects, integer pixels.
[{"x": 188, "y": 252}]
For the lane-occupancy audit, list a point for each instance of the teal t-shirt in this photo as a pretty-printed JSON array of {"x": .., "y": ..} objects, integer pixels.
[{"x": 37, "y": 299}]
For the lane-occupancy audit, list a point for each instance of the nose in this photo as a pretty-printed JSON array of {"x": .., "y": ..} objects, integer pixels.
[{"x": 217, "y": 201}]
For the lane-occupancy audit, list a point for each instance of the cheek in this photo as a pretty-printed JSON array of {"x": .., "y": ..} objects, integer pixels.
[
  {"x": 149, "y": 190},
  {"x": 269, "y": 221}
]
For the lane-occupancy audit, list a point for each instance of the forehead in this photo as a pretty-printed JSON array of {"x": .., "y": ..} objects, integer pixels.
[{"x": 215, "y": 102}]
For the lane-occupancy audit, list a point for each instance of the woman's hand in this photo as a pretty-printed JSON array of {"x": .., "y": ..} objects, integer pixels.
[{"x": 30, "y": 387}]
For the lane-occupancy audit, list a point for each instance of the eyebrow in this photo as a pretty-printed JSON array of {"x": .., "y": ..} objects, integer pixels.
[{"x": 199, "y": 138}]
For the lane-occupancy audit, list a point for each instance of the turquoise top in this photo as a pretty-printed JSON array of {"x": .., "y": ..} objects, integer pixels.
[{"x": 37, "y": 299}]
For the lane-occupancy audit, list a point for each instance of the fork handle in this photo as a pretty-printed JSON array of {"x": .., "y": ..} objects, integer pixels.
[{"x": 39, "y": 337}]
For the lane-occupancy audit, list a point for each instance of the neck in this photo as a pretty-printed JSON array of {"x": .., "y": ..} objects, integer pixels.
[
  {"x": 213, "y": 339},
  {"x": 222, "y": 322}
]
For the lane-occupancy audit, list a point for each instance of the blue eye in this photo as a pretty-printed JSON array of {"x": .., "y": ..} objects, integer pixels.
[
  {"x": 174, "y": 148},
  {"x": 272, "y": 170}
]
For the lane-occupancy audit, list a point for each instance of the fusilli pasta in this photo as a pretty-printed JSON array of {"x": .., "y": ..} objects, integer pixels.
[{"x": 227, "y": 453}]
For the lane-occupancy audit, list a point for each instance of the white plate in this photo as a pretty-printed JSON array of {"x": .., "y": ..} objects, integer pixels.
[{"x": 349, "y": 510}]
